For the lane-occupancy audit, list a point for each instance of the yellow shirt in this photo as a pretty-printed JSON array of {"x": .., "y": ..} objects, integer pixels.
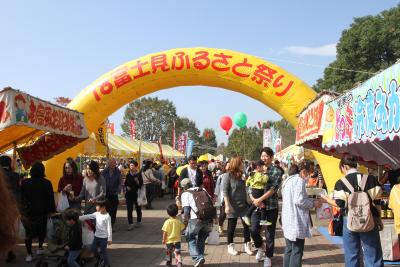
[
  {"x": 173, "y": 227},
  {"x": 394, "y": 204},
  {"x": 257, "y": 181}
]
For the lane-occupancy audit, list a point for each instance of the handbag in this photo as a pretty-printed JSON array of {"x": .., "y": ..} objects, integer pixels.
[
  {"x": 213, "y": 237},
  {"x": 142, "y": 200},
  {"x": 62, "y": 203},
  {"x": 335, "y": 227}
]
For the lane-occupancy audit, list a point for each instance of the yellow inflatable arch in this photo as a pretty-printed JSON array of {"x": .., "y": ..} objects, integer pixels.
[{"x": 246, "y": 74}]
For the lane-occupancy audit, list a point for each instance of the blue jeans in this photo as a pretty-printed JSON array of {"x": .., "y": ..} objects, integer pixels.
[
  {"x": 197, "y": 233},
  {"x": 368, "y": 241},
  {"x": 102, "y": 244},
  {"x": 72, "y": 256},
  {"x": 293, "y": 253}
]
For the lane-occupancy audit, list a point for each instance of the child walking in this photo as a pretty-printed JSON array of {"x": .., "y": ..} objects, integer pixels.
[
  {"x": 103, "y": 233},
  {"x": 74, "y": 244},
  {"x": 172, "y": 230},
  {"x": 256, "y": 185}
]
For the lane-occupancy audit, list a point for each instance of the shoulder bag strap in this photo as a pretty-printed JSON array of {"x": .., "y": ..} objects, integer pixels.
[
  {"x": 364, "y": 180},
  {"x": 347, "y": 184}
]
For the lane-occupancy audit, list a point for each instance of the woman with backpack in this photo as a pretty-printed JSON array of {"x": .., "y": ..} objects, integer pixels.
[
  {"x": 361, "y": 222},
  {"x": 235, "y": 200}
]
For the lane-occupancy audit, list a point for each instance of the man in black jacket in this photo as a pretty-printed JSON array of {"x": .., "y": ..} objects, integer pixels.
[
  {"x": 192, "y": 172},
  {"x": 14, "y": 184}
]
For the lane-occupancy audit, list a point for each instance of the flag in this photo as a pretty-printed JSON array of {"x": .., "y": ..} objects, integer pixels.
[
  {"x": 160, "y": 148},
  {"x": 182, "y": 143},
  {"x": 189, "y": 148},
  {"x": 101, "y": 134},
  {"x": 111, "y": 127},
  {"x": 267, "y": 137},
  {"x": 133, "y": 130},
  {"x": 173, "y": 135},
  {"x": 259, "y": 124}
]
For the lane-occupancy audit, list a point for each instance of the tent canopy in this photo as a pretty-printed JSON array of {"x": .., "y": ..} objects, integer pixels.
[
  {"x": 24, "y": 118},
  {"x": 126, "y": 147}
]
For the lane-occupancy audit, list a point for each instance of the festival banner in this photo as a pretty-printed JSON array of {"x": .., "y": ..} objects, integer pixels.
[
  {"x": 267, "y": 137},
  {"x": 182, "y": 141},
  {"x": 189, "y": 148},
  {"x": 132, "y": 128},
  {"x": 368, "y": 113},
  {"x": 101, "y": 134},
  {"x": 111, "y": 127},
  {"x": 173, "y": 136}
]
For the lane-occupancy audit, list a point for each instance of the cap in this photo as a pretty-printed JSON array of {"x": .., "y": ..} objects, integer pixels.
[{"x": 185, "y": 182}]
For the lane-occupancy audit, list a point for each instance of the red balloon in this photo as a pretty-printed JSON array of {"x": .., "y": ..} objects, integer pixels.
[{"x": 226, "y": 123}]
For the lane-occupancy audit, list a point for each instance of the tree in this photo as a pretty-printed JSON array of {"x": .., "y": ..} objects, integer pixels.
[
  {"x": 221, "y": 149},
  {"x": 208, "y": 142},
  {"x": 153, "y": 118},
  {"x": 372, "y": 43},
  {"x": 245, "y": 142}
]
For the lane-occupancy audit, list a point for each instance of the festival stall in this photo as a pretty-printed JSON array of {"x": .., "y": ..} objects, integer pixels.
[
  {"x": 35, "y": 128},
  {"x": 366, "y": 122},
  {"x": 294, "y": 153},
  {"x": 123, "y": 147}
]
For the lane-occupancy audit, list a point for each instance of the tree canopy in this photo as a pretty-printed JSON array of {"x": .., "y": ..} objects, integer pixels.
[{"x": 371, "y": 44}]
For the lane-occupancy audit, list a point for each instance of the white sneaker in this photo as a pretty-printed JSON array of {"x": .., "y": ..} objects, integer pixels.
[
  {"x": 130, "y": 227},
  {"x": 39, "y": 251},
  {"x": 220, "y": 229},
  {"x": 28, "y": 258},
  {"x": 267, "y": 262},
  {"x": 138, "y": 224},
  {"x": 232, "y": 250},
  {"x": 260, "y": 255},
  {"x": 247, "y": 248}
]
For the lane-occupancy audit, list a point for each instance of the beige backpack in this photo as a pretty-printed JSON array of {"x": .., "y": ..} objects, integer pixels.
[{"x": 359, "y": 215}]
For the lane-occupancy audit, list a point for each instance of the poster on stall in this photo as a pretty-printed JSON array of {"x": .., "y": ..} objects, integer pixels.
[{"x": 368, "y": 113}]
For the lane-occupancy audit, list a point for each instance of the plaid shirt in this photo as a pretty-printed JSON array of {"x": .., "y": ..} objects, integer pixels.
[
  {"x": 274, "y": 182},
  {"x": 296, "y": 209}
]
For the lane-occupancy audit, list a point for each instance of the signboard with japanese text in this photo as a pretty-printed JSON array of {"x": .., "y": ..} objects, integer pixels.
[
  {"x": 18, "y": 108},
  {"x": 311, "y": 121},
  {"x": 366, "y": 114}
]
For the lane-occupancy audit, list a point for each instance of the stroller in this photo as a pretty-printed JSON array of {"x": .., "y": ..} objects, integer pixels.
[{"x": 58, "y": 234}]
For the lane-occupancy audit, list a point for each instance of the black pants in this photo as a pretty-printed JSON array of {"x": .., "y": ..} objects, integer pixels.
[
  {"x": 272, "y": 217},
  {"x": 113, "y": 207},
  {"x": 293, "y": 253},
  {"x": 232, "y": 222},
  {"x": 35, "y": 227},
  {"x": 150, "y": 193},
  {"x": 256, "y": 193},
  {"x": 222, "y": 215},
  {"x": 129, "y": 208}
]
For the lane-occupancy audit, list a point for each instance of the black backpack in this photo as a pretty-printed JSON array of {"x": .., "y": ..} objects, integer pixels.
[{"x": 205, "y": 207}]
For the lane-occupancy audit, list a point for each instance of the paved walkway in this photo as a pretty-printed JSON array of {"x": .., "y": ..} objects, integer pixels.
[{"x": 142, "y": 246}]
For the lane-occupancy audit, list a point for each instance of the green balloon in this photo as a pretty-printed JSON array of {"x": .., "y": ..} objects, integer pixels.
[{"x": 240, "y": 119}]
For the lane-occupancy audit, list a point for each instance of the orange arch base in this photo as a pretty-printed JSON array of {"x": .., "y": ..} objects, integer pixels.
[{"x": 246, "y": 74}]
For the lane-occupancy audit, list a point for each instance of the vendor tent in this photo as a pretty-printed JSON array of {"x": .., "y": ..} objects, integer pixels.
[
  {"x": 294, "y": 153},
  {"x": 40, "y": 129},
  {"x": 120, "y": 146}
]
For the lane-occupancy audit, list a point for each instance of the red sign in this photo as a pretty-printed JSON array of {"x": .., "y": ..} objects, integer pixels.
[
  {"x": 111, "y": 127},
  {"x": 310, "y": 121}
]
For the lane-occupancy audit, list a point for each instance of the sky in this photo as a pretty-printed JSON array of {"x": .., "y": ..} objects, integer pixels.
[{"x": 57, "y": 48}]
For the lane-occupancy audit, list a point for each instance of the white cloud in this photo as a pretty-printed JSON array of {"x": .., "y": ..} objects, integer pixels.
[{"x": 325, "y": 50}]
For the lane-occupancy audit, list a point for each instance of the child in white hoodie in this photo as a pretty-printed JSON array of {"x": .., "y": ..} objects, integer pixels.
[{"x": 103, "y": 233}]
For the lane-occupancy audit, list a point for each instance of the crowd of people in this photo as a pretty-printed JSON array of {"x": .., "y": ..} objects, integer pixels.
[{"x": 240, "y": 190}]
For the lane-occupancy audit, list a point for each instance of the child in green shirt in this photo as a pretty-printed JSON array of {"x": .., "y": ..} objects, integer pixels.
[{"x": 256, "y": 184}]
